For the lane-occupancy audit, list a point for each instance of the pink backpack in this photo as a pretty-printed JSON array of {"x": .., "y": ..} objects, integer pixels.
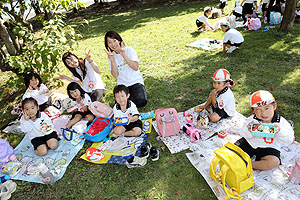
[
  {"x": 254, "y": 24},
  {"x": 101, "y": 109},
  {"x": 167, "y": 121}
]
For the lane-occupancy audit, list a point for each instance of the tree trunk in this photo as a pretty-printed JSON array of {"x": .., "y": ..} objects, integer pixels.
[
  {"x": 5, "y": 37},
  {"x": 36, "y": 7},
  {"x": 288, "y": 16}
]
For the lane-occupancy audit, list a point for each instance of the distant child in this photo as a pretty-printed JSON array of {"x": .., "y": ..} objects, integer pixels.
[
  {"x": 202, "y": 22},
  {"x": 221, "y": 98},
  {"x": 39, "y": 127},
  {"x": 81, "y": 100},
  {"x": 264, "y": 8},
  {"x": 237, "y": 11},
  {"x": 266, "y": 150},
  {"x": 232, "y": 38},
  {"x": 37, "y": 90},
  {"x": 222, "y": 6},
  {"x": 248, "y": 9},
  {"x": 126, "y": 108}
]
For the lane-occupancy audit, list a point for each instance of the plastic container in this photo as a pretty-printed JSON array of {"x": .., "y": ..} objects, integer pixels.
[
  {"x": 147, "y": 115},
  {"x": 121, "y": 121},
  {"x": 263, "y": 130}
]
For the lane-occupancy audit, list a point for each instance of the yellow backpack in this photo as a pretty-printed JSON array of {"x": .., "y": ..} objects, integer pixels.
[{"x": 235, "y": 170}]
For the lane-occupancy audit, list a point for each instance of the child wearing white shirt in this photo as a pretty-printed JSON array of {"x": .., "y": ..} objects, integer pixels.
[
  {"x": 202, "y": 22},
  {"x": 126, "y": 108},
  {"x": 232, "y": 38},
  {"x": 81, "y": 101},
  {"x": 39, "y": 127}
]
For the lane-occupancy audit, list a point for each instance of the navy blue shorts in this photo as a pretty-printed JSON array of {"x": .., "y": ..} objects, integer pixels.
[{"x": 37, "y": 141}]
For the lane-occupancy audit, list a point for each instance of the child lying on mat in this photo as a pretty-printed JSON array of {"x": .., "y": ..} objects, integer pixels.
[
  {"x": 202, "y": 22},
  {"x": 126, "y": 108},
  {"x": 39, "y": 127},
  {"x": 266, "y": 150},
  {"x": 221, "y": 97}
]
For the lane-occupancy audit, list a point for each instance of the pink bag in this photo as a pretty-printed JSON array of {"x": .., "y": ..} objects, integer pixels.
[
  {"x": 254, "y": 24},
  {"x": 167, "y": 121},
  {"x": 6, "y": 152},
  {"x": 101, "y": 109}
]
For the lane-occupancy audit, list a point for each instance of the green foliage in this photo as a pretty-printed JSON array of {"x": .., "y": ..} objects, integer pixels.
[
  {"x": 50, "y": 5},
  {"x": 42, "y": 52}
]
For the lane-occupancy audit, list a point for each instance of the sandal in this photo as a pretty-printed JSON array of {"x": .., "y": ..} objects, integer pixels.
[{"x": 6, "y": 189}]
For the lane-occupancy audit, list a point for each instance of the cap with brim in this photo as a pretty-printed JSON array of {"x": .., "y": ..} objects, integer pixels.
[
  {"x": 224, "y": 23},
  {"x": 207, "y": 8},
  {"x": 223, "y": 75},
  {"x": 261, "y": 98}
]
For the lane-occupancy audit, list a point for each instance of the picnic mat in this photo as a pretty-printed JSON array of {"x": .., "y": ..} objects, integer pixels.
[
  {"x": 182, "y": 142},
  {"x": 131, "y": 147},
  {"x": 269, "y": 185},
  {"x": 205, "y": 43},
  {"x": 56, "y": 160}
]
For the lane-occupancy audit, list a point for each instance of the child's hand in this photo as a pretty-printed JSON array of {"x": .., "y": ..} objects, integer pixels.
[
  {"x": 81, "y": 102},
  {"x": 62, "y": 77},
  {"x": 277, "y": 128},
  {"x": 122, "y": 50},
  {"x": 249, "y": 126},
  {"x": 26, "y": 117},
  {"x": 30, "y": 88},
  {"x": 88, "y": 56},
  {"x": 110, "y": 55}
]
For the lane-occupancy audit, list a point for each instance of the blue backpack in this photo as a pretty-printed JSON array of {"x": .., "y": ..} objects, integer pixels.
[{"x": 99, "y": 130}]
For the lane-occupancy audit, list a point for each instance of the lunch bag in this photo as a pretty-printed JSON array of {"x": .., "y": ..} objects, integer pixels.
[
  {"x": 99, "y": 129},
  {"x": 235, "y": 170},
  {"x": 167, "y": 121}
]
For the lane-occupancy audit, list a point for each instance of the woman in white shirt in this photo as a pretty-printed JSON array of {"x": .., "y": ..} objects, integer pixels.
[
  {"x": 86, "y": 73},
  {"x": 124, "y": 65}
]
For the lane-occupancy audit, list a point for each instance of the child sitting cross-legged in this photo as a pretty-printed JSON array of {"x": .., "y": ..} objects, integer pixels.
[
  {"x": 266, "y": 150},
  {"x": 126, "y": 108},
  {"x": 39, "y": 127},
  {"x": 221, "y": 98},
  {"x": 232, "y": 38}
]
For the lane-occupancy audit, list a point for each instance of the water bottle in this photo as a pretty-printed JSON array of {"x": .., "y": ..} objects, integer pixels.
[
  {"x": 147, "y": 115},
  {"x": 4, "y": 178}
]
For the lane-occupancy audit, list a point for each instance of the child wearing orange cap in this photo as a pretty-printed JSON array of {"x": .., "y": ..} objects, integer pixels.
[
  {"x": 266, "y": 150},
  {"x": 221, "y": 98}
]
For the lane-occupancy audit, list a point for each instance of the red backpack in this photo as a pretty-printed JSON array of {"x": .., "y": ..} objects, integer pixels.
[
  {"x": 167, "y": 121},
  {"x": 99, "y": 129}
]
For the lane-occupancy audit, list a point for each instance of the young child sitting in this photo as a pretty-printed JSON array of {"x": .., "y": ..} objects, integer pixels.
[
  {"x": 237, "y": 11},
  {"x": 202, "y": 22},
  {"x": 222, "y": 6},
  {"x": 80, "y": 101},
  {"x": 267, "y": 152},
  {"x": 39, "y": 127},
  {"x": 232, "y": 38},
  {"x": 221, "y": 97},
  {"x": 126, "y": 108}
]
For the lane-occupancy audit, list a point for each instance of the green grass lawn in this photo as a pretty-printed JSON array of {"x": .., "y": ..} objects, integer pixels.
[{"x": 173, "y": 73}]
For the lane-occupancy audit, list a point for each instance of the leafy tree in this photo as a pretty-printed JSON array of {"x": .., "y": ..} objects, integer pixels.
[{"x": 22, "y": 50}]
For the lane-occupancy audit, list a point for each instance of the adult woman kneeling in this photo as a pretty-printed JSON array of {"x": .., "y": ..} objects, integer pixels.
[{"x": 124, "y": 65}]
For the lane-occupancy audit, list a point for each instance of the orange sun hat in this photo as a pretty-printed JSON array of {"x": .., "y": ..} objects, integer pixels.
[
  {"x": 261, "y": 98},
  {"x": 223, "y": 75}
]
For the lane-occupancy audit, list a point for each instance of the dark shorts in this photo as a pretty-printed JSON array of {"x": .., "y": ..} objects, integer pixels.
[
  {"x": 45, "y": 105},
  {"x": 264, "y": 8},
  {"x": 138, "y": 94},
  {"x": 237, "y": 14},
  {"x": 83, "y": 114},
  {"x": 247, "y": 8},
  {"x": 222, "y": 5},
  {"x": 37, "y": 141},
  {"x": 220, "y": 112},
  {"x": 97, "y": 95},
  {"x": 233, "y": 44},
  {"x": 132, "y": 125},
  {"x": 258, "y": 152},
  {"x": 198, "y": 23}
]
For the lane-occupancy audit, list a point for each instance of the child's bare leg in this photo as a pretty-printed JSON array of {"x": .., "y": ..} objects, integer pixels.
[
  {"x": 52, "y": 143},
  {"x": 89, "y": 117},
  {"x": 41, "y": 150},
  {"x": 214, "y": 117},
  {"x": 73, "y": 121},
  {"x": 119, "y": 130},
  {"x": 136, "y": 131},
  {"x": 266, "y": 163}
]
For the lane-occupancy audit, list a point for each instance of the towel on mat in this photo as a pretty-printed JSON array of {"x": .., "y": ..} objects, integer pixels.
[
  {"x": 207, "y": 44},
  {"x": 118, "y": 151}
]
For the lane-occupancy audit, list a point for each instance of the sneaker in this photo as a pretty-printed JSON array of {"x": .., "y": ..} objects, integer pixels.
[
  {"x": 136, "y": 162},
  {"x": 154, "y": 153},
  {"x": 145, "y": 150},
  {"x": 231, "y": 49},
  {"x": 199, "y": 31},
  {"x": 6, "y": 189}
]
